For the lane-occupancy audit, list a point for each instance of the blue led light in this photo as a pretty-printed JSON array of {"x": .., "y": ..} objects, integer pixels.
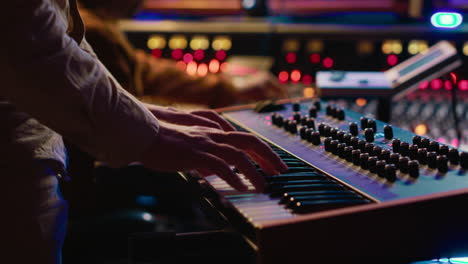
[
  {"x": 459, "y": 260},
  {"x": 446, "y": 19}
]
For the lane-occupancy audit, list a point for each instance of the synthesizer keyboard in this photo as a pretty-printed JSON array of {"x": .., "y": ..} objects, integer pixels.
[{"x": 356, "y": 187}]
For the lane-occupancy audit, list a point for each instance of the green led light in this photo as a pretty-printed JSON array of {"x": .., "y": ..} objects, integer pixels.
[{"x": 446, "y": 20}]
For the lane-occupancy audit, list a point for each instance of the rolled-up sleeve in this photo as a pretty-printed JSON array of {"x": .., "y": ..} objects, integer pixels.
[{"x": 48, "y": 75}]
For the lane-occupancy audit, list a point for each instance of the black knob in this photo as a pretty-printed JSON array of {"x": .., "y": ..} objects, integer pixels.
[
  {"x": 372, "y": 164},
  {"x": 384, "y": 155},
  {"x": 416, "y": 140},
  {"x": 369, "y": 134},
  {"x": 309, "y": 134},
  {"x": 433, "y": 146},
  {"x": 273, "y": 118},
  {"x": 404, "y": 148},
  {"x": 464, "y": 160},
  {"x": 422, "y": 155},
  {"x": 327, "y": 142},
  {"x": 340, "y": 114},
  {"x": 443, "y": 150},
  {"x": 372, "y": 124},
  {"x": 394, "y": 158},
  {"x": 390, "y": 172},
  {"x": 353, "y": 129},
  {"x": 442, "y": 163},
  {"x": 361, "y": 145},
  {"x": 318, "y": 105},
  {"x": 396, "y": 145},
  {"x": 453, "y": 156},
  {"x": 340, "y": 150},
  {"x": 334, "y": 146},
  {"x": 369, "y": 148},
  {"x": 327, "y": 131},
  {"x": 315, "y": 138},
  {"x": 279, "y": 121},
  {"x": 356, "y": 154},
  {"x": 347, "y": 139},
  {"x": 321, "y": 129},
  {"x": 388, "y": 132},
  {"x": 310, "y": 123},
  {"x": 296, "y": 107},
  {"x": 413, "y": 151},
  {"x": 354, "y": 142},
  {"x": 376, "y": 151},
  {"x": 348, "y": 153},
  {"x": 364, "y": 121},
  {"x": 313, "y": 112},
  {"x": 297, "y": 116},
  {"x": 403, "y": 164},
  {"x": 413, "y": 169},
  {"x": 424, "y": 143},
  {"x": 304, "y": 120},
  {"x": 293, "y": 127},
  {"x": 286, "y": 124},
  {"x": 380, "y": 166},
  {"x": 303, "y": 132},
  {"x": 363, "y": 161},
  {"x": 329, "y": 110},
  {"x": 340, "y": 136},
  {"x": 432, "y": 160},
  {"x": 333, "y": 133}
]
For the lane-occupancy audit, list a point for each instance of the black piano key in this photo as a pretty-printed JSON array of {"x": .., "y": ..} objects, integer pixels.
[
  {"x": 345, "y": 196},
  {"x": 278, "y": 190},
  {"x": 287, "y": 196},
  {"x": 322, "y": 205}
]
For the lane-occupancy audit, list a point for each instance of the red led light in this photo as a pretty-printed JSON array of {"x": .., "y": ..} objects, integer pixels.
[
  {"x": 295, "y": 76},
  {"x": 188, "y": 57},
  {"x": 307, "y": 79},
  {"x": 199, "y": 55},
  {"x": 437, "y": 84},
  {"x": 315, "y": 58},
  {"x": 157, "y": 53},
  {"x": 463, "y": 85},
  {"x": 283, "y": 76},
  {"x": 448, "y": 85},
  {"x": 328, "y": 62},
  {"x": 177, "y": 54},
  {"x": 221, "y": 55},
  {"x": 423, "y": 85},
  {"x": 392, "y": 59},
  {"x": 291, "y": 58}
]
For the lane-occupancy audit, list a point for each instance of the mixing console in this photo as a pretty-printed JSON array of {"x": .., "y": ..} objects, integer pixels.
[{"x": 347, "y": 169}]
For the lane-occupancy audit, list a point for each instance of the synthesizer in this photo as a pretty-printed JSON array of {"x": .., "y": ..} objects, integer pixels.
[{"x": 356, "y": 187}]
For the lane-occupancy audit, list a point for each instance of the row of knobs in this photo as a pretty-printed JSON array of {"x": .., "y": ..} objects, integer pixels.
[
  {"x": 431, "y": 153},
  {"x": 406, "y": 157},
  {"x": 373, "y": 158}
]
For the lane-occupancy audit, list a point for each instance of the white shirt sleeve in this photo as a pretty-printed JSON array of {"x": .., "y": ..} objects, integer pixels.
[{"x": 47, "y": 74}]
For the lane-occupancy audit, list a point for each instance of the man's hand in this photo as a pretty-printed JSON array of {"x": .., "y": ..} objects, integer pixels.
[
  {"x": 206, "y": 118},
  {"x": 184, "y": 148}
]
